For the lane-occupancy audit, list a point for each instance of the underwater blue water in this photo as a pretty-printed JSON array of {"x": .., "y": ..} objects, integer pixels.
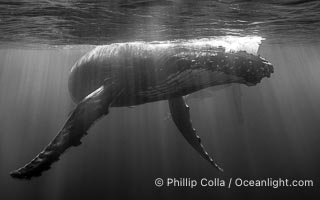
[{"x": 271, "y": 130}]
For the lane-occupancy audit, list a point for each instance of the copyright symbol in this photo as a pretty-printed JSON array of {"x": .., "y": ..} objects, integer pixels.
[{"x": 158, "y": 182}]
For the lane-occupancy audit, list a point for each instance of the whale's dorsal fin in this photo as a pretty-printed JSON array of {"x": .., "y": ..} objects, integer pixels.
[
  {"x": 94, "y": 106},
  {"x": 181, "y": 117}
]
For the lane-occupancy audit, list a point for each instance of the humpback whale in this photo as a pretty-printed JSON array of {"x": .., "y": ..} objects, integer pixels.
[{"x": 134, "y": 73}]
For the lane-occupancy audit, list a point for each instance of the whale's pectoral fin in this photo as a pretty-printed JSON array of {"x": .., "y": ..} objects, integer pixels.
[
  {"x": 94, "y": 106},
  {"x": 181, "y": 117}
]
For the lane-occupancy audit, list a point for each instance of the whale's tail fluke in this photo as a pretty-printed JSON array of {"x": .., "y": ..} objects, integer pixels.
[{"x": 94, "y": 106}]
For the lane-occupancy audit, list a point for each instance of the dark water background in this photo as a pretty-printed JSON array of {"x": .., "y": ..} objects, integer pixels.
[{"x": 271, "y": 130}]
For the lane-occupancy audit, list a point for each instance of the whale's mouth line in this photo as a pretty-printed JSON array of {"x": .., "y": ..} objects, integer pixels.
[{"x": 249, "y": 84}]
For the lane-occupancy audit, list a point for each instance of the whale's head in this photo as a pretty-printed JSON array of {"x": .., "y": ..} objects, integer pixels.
[
  {"x": 250, "y": 69},
  {"x": 231, "y": 59},
  {"x": 213, "y": 67},
  {"x": 236, "y": 67}
]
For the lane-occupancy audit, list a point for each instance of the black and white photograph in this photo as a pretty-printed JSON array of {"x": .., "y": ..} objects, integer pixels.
[{"x": 159, "y": 99}]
